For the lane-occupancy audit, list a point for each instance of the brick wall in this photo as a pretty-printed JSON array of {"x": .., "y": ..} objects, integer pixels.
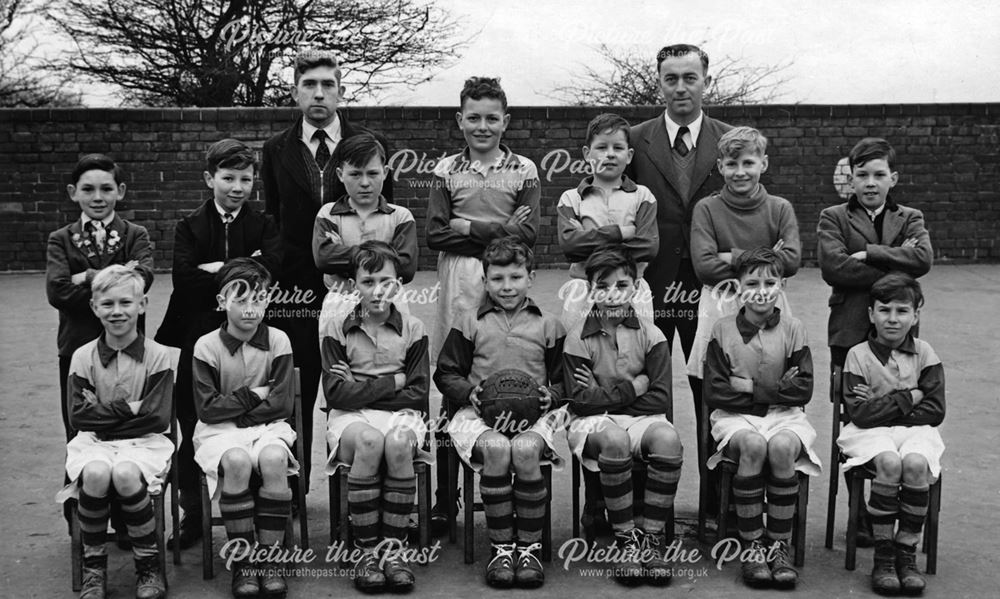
[{"x": 948, "y": 163}]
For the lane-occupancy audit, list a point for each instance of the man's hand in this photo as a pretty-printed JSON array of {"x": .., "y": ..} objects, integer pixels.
[
  {"x": 474, "y": 397},
  {"x": 334, "y": 237},
  {"x": 545, "y": 402},
  {"x": 910, "y": 243},
  {"x": 740, "y": 384},
  {"x": 726, "y": 257},
  {"x": 584, "y": 377},
  {"x": 398, "y": 381},
  {"x": 916, "y": 396},
  {"x": 342, "y": 370},
  {"x": 627, "y": 231},
  {"x": 256, "y": 254},
  {"x": 520, "y": 215},
  {"x": 864, "y": 391},
  {"x": 89, "y": 396},
  {"x": 134, "y": 406},
  {"x": 211, "y": 267},
  {"x": 79, "y": 278},
  {"x": 777, "y": 246},
  {"x": 862, "y": 255},
  {"x": 461, "y": 226},
  {"x": 262, "y": 392},
  {"x": 640, "y": 384},
  {"x": 789, "y": 375}
]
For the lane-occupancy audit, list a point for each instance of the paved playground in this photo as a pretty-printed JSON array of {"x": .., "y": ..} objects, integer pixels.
[{"x": 960, "y": 320}]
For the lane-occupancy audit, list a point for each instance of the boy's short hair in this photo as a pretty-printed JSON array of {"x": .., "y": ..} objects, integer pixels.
[
  {"x": 477, "y": 88},
  {"x": 115, "y": 275},
  {"x": 896, "y": 286},
  {"x": 357, "y": 150},
  {"x": 310, "y": 59},
  {"x": 230, "y": 153},
  {"x": 372, "y": 256},
  {"x": 740, "y": 139},
  {"x": 97, "y": 162},
  {"x": 871, "y": 148},
  {"x": 760, "y": 257},
  {"x": 505, "y": 251},
  {"x": 245, "y": 275},
  {"x": 678, "y": 50},
  {"x": 608, "y": 122},
  {"x": 608, "y": 259}
]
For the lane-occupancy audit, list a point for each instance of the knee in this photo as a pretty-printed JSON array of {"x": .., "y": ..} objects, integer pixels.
[
  {"x": 613, "y": 441},
  {"x": 783, "y": 449},
  {"x": 915, "y": 469},
  {"x": 127, "y": 478},
  {"x": 888, "y": 466},
  {"x": 753, "y": 447},
  {"x": 96, "y": 475},
  {"x": 273, "y": 461},
  {"x": 370, "y": 443},
  {"x": 496, "y": 449},
  {"x": 236, "y": 464},
  {"x": 399, "y": 444},
  {"x": 525, "y": 451},
  {"x": 663, "y": 440}
]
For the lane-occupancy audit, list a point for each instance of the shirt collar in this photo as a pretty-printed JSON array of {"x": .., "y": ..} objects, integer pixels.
[
  {"x": 223, "y": 213},
  {"x": 106, "y": 221},
  {"x": 694, "y": 128},
  {"x": 854, "y": 203},
  {"x": 355, "y": 319},
  {"x": 343, "y": 206},
  {"x": 508, "y": 160},
  {"x": 882, "y": 352},
  {"x": 260, "y": 339},
  {"x": 628, "y": 186},
  {"x": 135, "y": 350},
  {"x": 332, "y": 130},
  {"x": 748, "y": 330},
  {"x": 489, "y": 306},
  {"x": 592, "y": 324}
]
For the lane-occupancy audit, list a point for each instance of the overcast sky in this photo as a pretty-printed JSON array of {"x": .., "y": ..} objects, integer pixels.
[{"x": 842, "y": 51}]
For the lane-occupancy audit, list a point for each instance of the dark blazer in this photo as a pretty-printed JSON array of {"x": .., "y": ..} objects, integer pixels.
[
  {"x": 200, "y": 237},
  {"x": 289, "y": 201},
  {"x": 652, "y": 166},
  {"x": 846, "y": 229},
  {"x": 67, "y": 256}
]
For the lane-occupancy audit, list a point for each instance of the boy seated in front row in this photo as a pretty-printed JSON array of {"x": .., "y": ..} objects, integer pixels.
[
  {"x": 758, "y": 377},
  {"x": 362, "y": 214},
  {"x": 606, "y": 207},
  {"x": 894, "y": 394},
  {"x": 618, "y": 368},
  {"x": 120, "y": 390},
  {"x": 243, "y": 393},
  {"x": 508, "y": 331},
  {"x": 375, "y": 378}
]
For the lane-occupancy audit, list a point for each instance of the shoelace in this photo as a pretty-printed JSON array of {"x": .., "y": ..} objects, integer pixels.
[
  {"x": 503, "y": 552},
  {"x": 368, "y": 561},
  {"x": 526, "y": 554},
  {"x": 92, "y": 576},
  {"x": 651, "y": 543}
]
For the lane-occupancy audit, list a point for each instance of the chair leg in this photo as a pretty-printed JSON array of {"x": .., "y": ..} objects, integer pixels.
[
  {"x": 333, "y": 482},
  {"x": 547, "y": 522},
  {"x": 452, "y": 495},
  {"x": 831, "y": 499},
  {"x": 703, "y": 491},
  {"x": 576, "y": 497},
  {"x": 175, "y": 511},
  {"x": 76, "y": 547},
  {"x": 159, "y": 517},
  {"x": 423, "y": 505},
  {"x": 668, "y": 529},
  {"x": 722, "y": 521},
  {"x": 853, "y": 514},
  {"x": 468, "y": 533},
  {"x": 207, "y": 565},
  {"x": 303, "y": 520},
  {"x": 933, "y": 526},
  {"x": 344, "y": 517},
  {"x": 801, "y": 514}
]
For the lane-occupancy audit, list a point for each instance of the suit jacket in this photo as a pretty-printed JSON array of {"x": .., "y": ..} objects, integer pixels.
[
  {"x": 200, "y": 237},
  {"x": 68, "y": 254},
  {"x": 846, "y": 229},
  {"x": 288, "y": 200},
  {"x": 653, "y": 167}
]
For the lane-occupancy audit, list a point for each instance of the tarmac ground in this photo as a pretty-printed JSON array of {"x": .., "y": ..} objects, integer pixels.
[{"x": 959, "y": 321}]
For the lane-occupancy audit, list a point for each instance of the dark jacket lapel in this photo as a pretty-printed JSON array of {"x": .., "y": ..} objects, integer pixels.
[
  {"x": 892, "y": 224},
  {"x": 658, "y": 150},
  {"x": 861, "y": 223},
  {"x": 292, "y": 157},
  {"x": 706, "y": 152}
]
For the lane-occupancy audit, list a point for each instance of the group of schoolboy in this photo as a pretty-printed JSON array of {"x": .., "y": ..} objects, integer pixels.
[{"x": 602, "y": 368}]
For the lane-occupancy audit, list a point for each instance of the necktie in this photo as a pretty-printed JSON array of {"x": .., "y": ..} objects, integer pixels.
[
  {"x": 97, "y": 233},
  {"x": 679, "y": 146},
  {"x": 323, "y": 151},
  {"x": 227, "y": 220}
]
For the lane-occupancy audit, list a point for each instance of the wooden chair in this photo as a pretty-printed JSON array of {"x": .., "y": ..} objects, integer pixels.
[
  {"x": 208, "y": 520},
  {"x": 171, "y": 481},
  {"x": 856, "y": 479},
  {"x": 727, "y": 471}
]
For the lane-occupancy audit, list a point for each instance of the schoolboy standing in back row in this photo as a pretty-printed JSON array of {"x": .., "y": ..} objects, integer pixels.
[{"x": 298, "y": 177}]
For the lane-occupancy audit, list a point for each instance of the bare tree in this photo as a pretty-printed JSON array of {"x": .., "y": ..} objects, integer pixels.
[
  {"x": 23, "y": 83},
  {"x": 629, "y": 78},
  {"x": 232, "y": 52}
]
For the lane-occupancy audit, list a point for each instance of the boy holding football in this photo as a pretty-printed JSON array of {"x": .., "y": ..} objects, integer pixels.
[{"x": 508, "y": 331}]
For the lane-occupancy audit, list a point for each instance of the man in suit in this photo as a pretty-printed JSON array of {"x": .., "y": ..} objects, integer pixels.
[
  {"x": 299, "y": 176},
  {"x": 675, "y": 157}
]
